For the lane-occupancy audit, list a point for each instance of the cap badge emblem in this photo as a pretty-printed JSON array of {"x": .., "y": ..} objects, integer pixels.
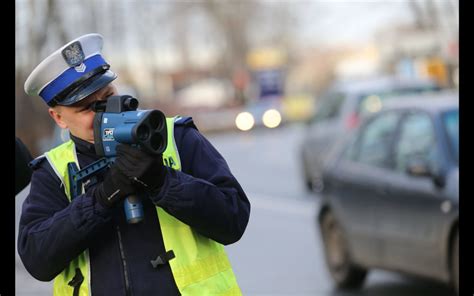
[{"x": 73, "y": 54}]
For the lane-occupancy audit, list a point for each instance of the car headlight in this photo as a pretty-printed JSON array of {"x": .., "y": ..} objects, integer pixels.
[
  {"x": 271, "y": 118},
  {"x": 244, "y": 121}
]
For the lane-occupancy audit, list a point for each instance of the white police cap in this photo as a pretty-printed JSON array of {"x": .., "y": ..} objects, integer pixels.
[{"x": 71, "y": 73}]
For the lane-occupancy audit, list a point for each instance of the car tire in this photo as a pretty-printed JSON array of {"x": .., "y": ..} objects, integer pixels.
[
  {"x": 455, "y": 262},
  {"x": 345, "y": 273}
]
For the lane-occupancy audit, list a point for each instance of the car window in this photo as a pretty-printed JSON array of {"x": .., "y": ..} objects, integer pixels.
[
  {"x": 416, "y": 140},
  {"x": 329, "y": 106},
  {"x": 451, "y": 124},
  {"x": 349, "y": 152},
  {"x": 375, "y": 142}
]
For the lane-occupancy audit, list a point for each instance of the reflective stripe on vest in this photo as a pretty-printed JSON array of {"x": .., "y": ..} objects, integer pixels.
[
  {"x": 200, "y": 266},
  {"x": 67, "y": 283}
]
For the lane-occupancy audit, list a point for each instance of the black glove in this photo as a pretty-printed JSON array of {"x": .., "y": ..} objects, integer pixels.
[
  {"x": 146, "y": 170},
  {"x": 115, "y": 187}
]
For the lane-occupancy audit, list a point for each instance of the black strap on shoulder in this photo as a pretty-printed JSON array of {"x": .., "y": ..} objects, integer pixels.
[
  {"x": 76, "y": 282},
  {"x": 162, "y": 258}
]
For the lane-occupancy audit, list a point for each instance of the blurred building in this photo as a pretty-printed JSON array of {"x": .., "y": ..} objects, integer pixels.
[
  {"x": 362, "y": 61},
  {"x": 415, "y": 52}
]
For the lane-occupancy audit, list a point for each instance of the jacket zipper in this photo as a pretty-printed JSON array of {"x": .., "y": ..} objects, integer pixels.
[{"x": 124, "y": 263}]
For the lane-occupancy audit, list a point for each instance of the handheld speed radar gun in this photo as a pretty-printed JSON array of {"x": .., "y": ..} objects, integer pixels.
[{"x": 117, "y": 120}]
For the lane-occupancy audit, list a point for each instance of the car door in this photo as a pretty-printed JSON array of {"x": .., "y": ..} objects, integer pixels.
[
  {"x": 412, "y": 214},
  {"x": 359, "y": 182}
]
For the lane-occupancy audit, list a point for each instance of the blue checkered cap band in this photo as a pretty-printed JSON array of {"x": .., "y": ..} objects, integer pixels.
[{"x": 73, "y": 62}]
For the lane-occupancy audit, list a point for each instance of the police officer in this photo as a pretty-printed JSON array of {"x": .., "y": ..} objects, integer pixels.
[{"x": 191, "y": 209}]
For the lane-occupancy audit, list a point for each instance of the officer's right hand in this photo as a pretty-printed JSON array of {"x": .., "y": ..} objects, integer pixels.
[{"x": 115, "y": 187}]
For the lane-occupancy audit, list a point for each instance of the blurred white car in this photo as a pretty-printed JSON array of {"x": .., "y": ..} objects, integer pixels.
[{"x": 265, "y": 112}]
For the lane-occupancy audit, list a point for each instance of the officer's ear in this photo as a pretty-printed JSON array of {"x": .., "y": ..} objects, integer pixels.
[{"x": 55, "y": 113}]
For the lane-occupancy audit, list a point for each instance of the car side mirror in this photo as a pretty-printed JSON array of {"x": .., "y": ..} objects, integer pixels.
[{"x": 420, "y": 167}]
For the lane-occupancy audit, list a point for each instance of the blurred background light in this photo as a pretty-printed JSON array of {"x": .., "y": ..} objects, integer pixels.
[
  {"x": 244, "y": 121},
  {"x": 271, "y": 118},
  {"x": 373, "y": 104}
]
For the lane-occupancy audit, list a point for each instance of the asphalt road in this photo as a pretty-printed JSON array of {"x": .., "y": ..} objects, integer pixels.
[{"x": 280, "y": 252}]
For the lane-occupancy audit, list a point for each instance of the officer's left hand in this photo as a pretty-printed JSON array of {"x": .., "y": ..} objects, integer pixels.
[{"x": 146, "y": 170}]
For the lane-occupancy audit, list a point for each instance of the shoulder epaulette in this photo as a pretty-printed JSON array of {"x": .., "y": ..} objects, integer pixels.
[
  {"x": 185, "y": 121},
  {"x": 34, "y": 164}
]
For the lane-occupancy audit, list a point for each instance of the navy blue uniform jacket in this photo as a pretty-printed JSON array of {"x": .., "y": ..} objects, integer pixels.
[{"x": 53, "y": 231}]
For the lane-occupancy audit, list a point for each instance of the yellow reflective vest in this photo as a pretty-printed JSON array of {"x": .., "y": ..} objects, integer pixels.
[{"x": 200, "y": 266}]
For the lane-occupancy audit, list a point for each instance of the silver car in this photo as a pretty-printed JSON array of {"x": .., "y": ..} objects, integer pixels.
[
  {"x": 340, "y": 110},
  {"x": 391, "y": 194}
]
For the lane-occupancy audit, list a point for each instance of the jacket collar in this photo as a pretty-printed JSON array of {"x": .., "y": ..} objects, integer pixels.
[{"x": 83, "y": 147}]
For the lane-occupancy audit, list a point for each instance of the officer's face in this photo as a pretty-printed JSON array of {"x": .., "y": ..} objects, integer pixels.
[{"x": 79, "y": 117}]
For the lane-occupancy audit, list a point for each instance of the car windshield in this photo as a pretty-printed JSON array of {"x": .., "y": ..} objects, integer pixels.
[
  {"x": 451, "y": 124},
  {"x": 372, "y": 102}
]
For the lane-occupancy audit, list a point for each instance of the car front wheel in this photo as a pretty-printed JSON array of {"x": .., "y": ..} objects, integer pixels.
[{"x": 345, "y": 274}]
